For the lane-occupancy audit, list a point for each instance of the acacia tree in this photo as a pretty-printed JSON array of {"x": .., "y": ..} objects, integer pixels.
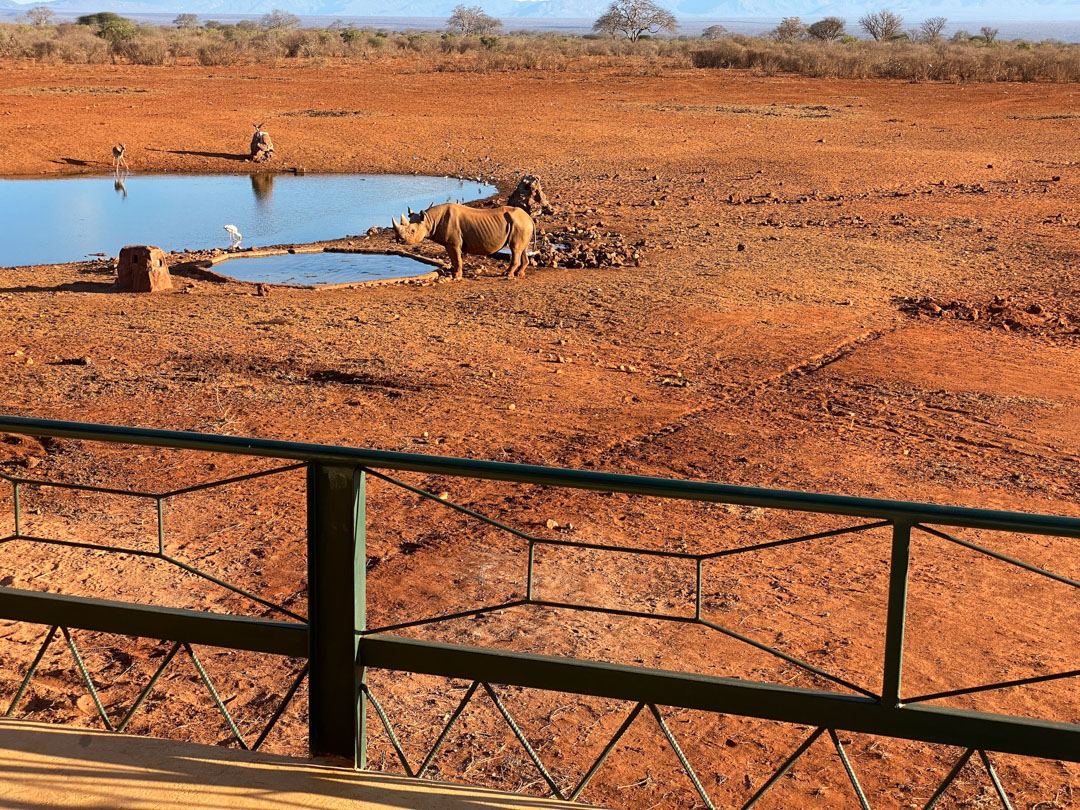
[
  {"x": 472, "y": 21},
  {"x": 714, "y": 32},
  {"x": 989, "y": 34},
  {"x": 931, "y": 28},
  {"x": 278, "y": 19},
  {"x": 882, "y": 25},
  {"x": 40, "y": 15},
  {"x": 632, "y": 18},
  {"x": 828, "y": 29},
  {"x": 186, "y": 21},
  {"x": 789, "y": 29}
]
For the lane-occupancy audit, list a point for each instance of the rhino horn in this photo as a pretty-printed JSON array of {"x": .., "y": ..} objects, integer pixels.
[{"x": 404, "y": 221}]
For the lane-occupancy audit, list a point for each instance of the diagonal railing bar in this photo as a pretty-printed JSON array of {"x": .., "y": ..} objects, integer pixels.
[
  {"x": 234, "y": 480},
  {"x": 464, "y": 614},
  {"x": 280, "y": 710},
  {"x": 968, "y": 690},
  {"x": 524, "y": 742},
  {"x": 145, "y": 693},
  {"x": 86, "y": 678},
  {"x": 589, "y": 774},
  {"x": 389, "y": 730},
  {"x": 16, "y": 508},
  {"x": 498, "y": 524},
  {"x": 997, "y": 555},
  {"x": 640, "y": 614},
  {"x": 214, "y": 694},
  {"x": 53, "y": 541},
  {"x": 446, "y": 729},
  {"x": 1002, "y": 795},
  {"x": 790, "y": 659},
  {"x": 850, "y": 770},
  {"x": 784, "y": 768},
  {"x": 801, "y": 539},
  {"x": 131, "y": 493},
  {"x": 681, "y": 756},
  {"x": 950, "y": 777},
  {"x": 645, "y": 552},
  {"x": 235, "y": 589},
  {"x": 30, "y": 672}
]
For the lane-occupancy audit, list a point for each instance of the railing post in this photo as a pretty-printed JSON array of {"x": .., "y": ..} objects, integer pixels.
[
  {"x": 336, "y": 581},
  {"x": 897, "y": 612}
]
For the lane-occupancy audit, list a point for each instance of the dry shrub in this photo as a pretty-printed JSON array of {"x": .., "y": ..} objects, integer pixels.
[
  {"x": 414, "y": 51},
  {"x": 917, "y": 62},
  {"x": 218, "y": 53}
]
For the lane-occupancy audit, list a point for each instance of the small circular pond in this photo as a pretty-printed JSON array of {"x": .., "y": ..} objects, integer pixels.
[
  {"x": 321, "y": 268},
  {"x": 67, "y": 219}
]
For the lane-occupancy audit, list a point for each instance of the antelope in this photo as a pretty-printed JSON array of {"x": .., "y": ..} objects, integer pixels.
[{"x": 119, "y": 159}]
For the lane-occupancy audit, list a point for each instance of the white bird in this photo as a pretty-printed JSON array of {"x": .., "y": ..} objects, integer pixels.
[{"x": 234, "y": 237}]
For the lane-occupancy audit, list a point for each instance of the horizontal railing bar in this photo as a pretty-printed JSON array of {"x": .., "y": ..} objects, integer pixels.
[
  {"x": 53, "y": 541},
  {"x": 854, "y": 713},
  {"x": 234, "y": 480},
  {"x": 131, "y": 493},
  {"x": 150, "y": 621},
  {"x": 997, "y": 555},
  {"x": 728, "y": 552},
  {"x": 577, "y": 479},
  {"x": 648, "y": 552}
]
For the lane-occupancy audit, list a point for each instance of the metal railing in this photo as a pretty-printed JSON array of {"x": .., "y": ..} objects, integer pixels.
[{"x": 340, "y": 648}]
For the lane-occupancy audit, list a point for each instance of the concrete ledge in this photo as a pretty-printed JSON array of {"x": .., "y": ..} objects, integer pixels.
[{"x": 44, "y": 766}]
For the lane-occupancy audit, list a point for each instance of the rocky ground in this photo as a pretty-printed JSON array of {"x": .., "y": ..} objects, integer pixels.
[{"x": 856, "y": 287}]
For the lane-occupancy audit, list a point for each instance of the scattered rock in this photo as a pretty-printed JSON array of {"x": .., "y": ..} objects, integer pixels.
[{"x": 1002, "y": 312}]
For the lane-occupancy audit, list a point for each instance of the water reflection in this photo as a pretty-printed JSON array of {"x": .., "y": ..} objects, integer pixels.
[
  {"x": 262, "y": 185},
  {"x": 63, "y": 219}
]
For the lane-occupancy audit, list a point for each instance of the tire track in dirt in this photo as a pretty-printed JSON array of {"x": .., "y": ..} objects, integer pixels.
[{"x": 726, "y": 396}]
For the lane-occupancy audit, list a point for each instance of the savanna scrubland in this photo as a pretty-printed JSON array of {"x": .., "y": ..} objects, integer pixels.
[{"x": 851, "y": 285}]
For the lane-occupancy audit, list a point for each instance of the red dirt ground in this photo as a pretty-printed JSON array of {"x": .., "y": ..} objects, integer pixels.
[{"x": 794, "y": 361}]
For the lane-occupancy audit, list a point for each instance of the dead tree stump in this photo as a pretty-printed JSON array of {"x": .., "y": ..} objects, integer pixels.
[
  {"x": 529, "y": 197},
  {"x": 142, "y": 268}
]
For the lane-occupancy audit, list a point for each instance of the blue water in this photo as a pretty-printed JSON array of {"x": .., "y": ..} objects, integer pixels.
[
  {"x": 321, "y": 268},
  {"x": 68, "y": 219}
]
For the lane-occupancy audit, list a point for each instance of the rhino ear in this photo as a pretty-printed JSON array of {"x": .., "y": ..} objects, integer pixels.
[{"x": 410, "y": 211}]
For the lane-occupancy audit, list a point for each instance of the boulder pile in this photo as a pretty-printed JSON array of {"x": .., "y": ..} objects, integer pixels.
[{"x": 587, "y": 247}]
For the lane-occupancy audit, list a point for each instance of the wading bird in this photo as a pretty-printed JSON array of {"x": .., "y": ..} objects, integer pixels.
[{"x": 234, "y": 237}]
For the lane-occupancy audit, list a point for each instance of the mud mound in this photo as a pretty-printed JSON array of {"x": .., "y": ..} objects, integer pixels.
[{"x": 1002, "y": 311}]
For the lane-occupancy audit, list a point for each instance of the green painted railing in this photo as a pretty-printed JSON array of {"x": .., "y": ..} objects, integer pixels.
[{"x": 340, "y": 648}]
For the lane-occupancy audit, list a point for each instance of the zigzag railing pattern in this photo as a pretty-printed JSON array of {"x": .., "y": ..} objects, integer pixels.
[{"x": 340, "y": 648}]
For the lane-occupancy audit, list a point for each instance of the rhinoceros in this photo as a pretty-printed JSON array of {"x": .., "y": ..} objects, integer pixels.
[{"x": 476, "y": 231}]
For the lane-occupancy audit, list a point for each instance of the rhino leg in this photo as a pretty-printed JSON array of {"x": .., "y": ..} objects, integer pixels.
[
  {"x": 518, "y": 262},
  {"x": 456, "y": 263}
]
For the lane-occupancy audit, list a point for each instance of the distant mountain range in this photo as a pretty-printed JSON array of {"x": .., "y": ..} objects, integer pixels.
[{"x": 973, "y": 10}]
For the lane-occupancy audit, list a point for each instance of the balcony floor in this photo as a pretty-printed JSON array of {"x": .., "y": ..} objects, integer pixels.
[{"x": 45, "y": 766}]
